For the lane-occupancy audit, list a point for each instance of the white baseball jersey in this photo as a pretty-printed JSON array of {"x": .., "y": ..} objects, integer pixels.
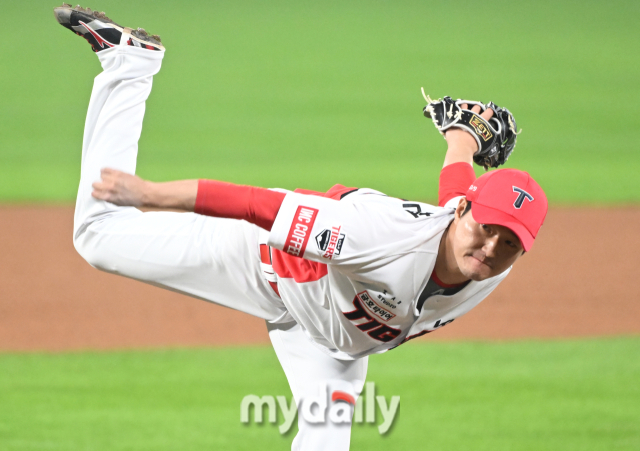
[{"x": 366, "y": 260}]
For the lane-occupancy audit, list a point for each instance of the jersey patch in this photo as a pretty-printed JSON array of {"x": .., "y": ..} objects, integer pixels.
[
  {"x": 374, "y": 307},
  {"x": 301, "y": 226},
  {"x": 330, "y": 241}
]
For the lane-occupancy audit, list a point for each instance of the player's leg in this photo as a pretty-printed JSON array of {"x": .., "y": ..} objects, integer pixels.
[
  {"x": 311, "y": 374},
  {"x": 116, "y": 108},
  {"x": 209, "y": 258},
  {"x": 114, "y": 123}
]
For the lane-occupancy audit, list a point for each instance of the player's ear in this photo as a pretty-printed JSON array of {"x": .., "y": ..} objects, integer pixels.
[{"x": 462, "y": 206}]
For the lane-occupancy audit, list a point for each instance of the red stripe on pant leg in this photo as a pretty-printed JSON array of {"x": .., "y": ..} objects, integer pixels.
[
  {"x": 275, "y": 287},
  {"x": 342, "y": 396},
  {"x": 264, "y": 254}
]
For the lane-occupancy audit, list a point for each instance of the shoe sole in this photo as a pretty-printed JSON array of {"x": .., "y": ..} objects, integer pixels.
[{"x": 63, "y": 16}]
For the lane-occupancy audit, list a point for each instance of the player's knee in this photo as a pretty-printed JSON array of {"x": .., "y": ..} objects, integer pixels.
[
  {"x": 90, "y": 248},
  {"x": 85, "y": 251}
]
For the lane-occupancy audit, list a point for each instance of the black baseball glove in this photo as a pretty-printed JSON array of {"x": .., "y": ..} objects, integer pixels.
[{"x": 496, "y": 138}]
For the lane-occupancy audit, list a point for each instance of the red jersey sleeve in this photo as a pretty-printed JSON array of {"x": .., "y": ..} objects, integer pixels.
[
  {"x": 258, "y": 206},
  {"x": 455, "y": 180}
]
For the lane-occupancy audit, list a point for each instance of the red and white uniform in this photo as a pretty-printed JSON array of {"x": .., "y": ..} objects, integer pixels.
[
  {"x": 350, "y": 271},
  {"x": 347, "y": 270}
]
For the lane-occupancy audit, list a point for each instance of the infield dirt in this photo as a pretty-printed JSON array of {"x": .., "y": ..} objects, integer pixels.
[{"x": 580, "y": 279}]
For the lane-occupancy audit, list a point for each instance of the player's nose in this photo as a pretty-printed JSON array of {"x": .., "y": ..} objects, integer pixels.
[{"x": 490, "y": 247}]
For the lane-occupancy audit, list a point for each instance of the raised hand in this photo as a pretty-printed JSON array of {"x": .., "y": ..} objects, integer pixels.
[
  {"x": 463, "y": 139},
  {"x": 461, "y": 145}
]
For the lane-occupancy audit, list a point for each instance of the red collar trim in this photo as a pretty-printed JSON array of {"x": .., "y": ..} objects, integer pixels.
[{"x": 441, "y": 283}]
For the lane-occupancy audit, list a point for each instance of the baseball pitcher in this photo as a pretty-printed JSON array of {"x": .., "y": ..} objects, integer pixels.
[{"x": 337, "y": 276}]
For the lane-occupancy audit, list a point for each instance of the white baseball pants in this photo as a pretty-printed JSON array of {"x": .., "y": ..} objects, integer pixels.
[{"x": 213, "y": 259}]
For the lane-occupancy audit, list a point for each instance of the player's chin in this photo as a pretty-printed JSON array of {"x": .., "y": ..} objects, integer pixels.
[{"x": 475, "y": 270}]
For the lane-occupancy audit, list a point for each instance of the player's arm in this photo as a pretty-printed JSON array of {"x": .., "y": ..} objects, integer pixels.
[
  {"x": 130, "y": 190},
  {"x": 457, "y": 172},
  {"x": 208, "y": 197}
]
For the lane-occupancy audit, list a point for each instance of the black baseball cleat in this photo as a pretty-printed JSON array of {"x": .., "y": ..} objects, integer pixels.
[{"x": 100, "y": 31}]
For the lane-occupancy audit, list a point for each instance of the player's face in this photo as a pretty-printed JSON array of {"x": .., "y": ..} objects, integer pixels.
[{"x": 483, "y": 250}]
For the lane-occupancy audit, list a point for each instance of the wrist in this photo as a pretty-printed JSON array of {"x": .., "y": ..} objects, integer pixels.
[
  {"x": 461, "y": 146},
  {"x": 459, "y": 154},
  {"x": 148, "y": 194},
  {"x": 467, "y": 149}
]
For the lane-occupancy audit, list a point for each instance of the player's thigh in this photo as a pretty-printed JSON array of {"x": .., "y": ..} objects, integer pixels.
[
  {"x": 305, "y": 364},
  {"x": 209, "y": 258}
]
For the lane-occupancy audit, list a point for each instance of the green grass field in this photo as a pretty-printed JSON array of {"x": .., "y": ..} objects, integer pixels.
[
  {"x": 307, "y": 94},
  {"x": 525, "y": 396}
]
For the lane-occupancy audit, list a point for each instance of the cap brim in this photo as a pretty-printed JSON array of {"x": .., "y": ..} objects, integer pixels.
[{"x": 488, "y": 215}]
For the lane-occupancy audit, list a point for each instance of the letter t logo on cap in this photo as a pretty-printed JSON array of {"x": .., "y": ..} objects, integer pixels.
[{"x": 521, "y": 197}]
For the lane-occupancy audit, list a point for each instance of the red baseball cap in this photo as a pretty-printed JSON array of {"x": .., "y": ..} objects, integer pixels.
[{"x": 510, "y": 198}]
